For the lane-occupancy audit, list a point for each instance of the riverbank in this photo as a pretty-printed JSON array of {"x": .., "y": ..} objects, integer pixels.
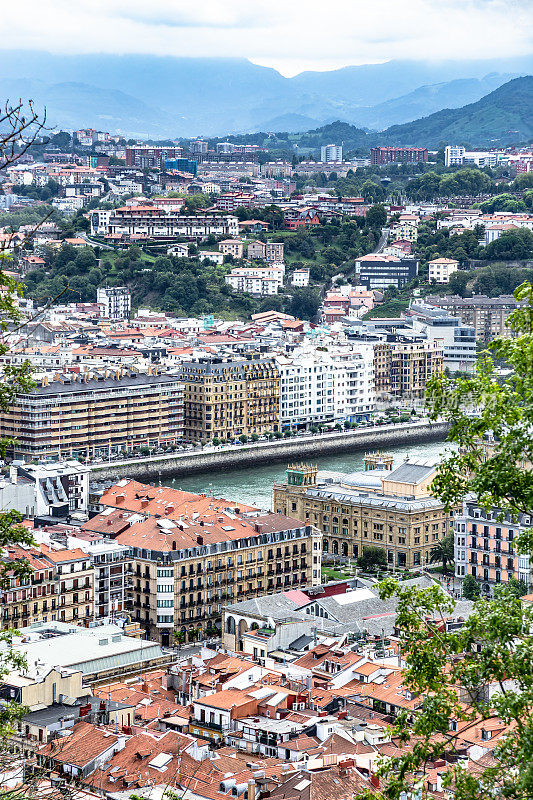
[{"x": 227, "y": 457}]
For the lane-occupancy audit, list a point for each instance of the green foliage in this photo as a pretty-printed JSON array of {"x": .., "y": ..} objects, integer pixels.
[
  {"x": 504, "y": 413},
  {"x": 502, "y": 202},
  {"x": 517, "y": 587},
  {"x": 511, "y": 245},
  {"x": 391, "y": 308},
  {"x": 440, "y": 663},
  {"x": 448, "y": 671},
  {"x": 305, "y": 303},
  {"x": 372, "y": 557},
  {"x": 443, "y": 552},
  {"x": 440, "y": 243},
  {"x": 471, "y": 588},
  {"x": 376, "y": 216}
]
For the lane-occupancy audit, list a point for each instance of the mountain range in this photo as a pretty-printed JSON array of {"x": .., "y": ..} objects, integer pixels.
[{"x": 160, "y": 97}]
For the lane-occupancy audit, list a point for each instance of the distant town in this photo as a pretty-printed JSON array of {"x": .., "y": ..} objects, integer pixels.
[{"x": 206, "y": 294}]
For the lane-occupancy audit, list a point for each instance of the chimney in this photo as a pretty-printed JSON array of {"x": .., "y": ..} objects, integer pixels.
[{"x": 251, "y": 789}]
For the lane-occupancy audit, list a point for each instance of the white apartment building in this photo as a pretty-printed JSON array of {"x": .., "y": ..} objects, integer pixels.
[
  {"x": 320, "y": 387},
  {"x": 211, "y": 255},
  {"x": 300, "y": 277},
  {"x": 441, "y": 269},
  {"x": 59, "y": 489},
  {"x": 112, "y": 580},
  {"x": 100, "y": 221},
  {"x": 360, "y": 394},
  {"x": 116, "y": 301},
  {"x": 261, "y": 281},
  {"x": 453, "y": 155},
  {"x": 330, "y": 152}
]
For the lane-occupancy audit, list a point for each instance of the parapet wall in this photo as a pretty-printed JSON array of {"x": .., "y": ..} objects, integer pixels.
[{"x": 266, "y": 452}]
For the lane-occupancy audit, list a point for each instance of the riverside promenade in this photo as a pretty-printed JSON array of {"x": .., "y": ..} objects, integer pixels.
[{"x": 304, "y": 446}]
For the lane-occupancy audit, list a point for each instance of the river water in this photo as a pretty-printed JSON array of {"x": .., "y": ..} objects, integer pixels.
[{"x": 253, "y": 486}]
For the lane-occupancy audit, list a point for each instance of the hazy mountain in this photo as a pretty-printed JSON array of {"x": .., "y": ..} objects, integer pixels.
[
  {"x": 167, "y": 97},
  {"x": 428, "y": 99},
  {"x": 503, "y": 116},
  {"x": 372, "y": 84},
  {"x": 71, "y": 105}
]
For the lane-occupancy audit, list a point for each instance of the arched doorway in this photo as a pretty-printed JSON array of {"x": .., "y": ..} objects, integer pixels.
[
  {"x": 243, "y": 627},
  {"x": 230, "y": 625}
]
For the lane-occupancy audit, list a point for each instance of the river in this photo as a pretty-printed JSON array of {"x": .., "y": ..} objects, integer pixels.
[{"x": 254, "y": 485}]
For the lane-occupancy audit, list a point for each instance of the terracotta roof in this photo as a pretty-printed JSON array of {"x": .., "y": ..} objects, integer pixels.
[{"x": 80, "y": 748}]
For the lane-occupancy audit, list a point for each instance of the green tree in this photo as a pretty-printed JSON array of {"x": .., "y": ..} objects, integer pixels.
[
  {"x": 376, "y": 216},
  {"x": 511, "y": 245},
  {"x": 443, "y": 552},
  {"x": 471, "y": 588},
  {"x": 516, "y": 586},
  {"x": 372, "y": 557},
  {"x": 305, "y": 303}
]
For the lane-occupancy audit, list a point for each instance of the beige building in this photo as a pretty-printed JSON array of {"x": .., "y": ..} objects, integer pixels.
[
  {"x": 403, "y": 365},
  {"x": 231, "y": 247},
  {"x": 225, "y": 398},
  {"x": 441, "y": 269},
  {"x": 267, "y": 251},
  {"x": 42, "y": 685},
  {"x": 100, "y": 416},
  {"x": 193, "y": 554},
  {"x": 392, "y": 510},
  {"x": 487, "y": 315}
]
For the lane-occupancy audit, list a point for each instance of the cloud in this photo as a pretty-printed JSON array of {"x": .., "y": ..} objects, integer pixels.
[{"x": 290, "y": 35}]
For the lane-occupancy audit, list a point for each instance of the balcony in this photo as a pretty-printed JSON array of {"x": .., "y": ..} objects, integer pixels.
[{"x": 214, "y": 726}]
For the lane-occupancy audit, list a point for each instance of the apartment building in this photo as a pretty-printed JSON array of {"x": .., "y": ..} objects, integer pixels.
[
  {"x": 441, "y": 269},
  {"x": 116, "y": 301},
  {"x": 148, "y": 157},
  {"x": 231, "y": 247},
  {"x": 60, "y": 587},
  {"x": 300, "y": 277},
  {"x": 454, "y": 155},
  {"x": 404, "y": 230},
  {"x": 226, "y": 398},
  {"x": 267, "y": 251},
  {"x": 232, "y": 200},
  {"x": 331, "y": 152},
  {"x": 403, "y": 365},
  {"x": 198, "y": 552},
  {"x": 377, "y": 271},
  {"x": 259, "y": 281},
  {"x": 458, "y": 340},
  {"x": 485, "y": 546},
  {"x": 487, "y": 315},
  {"x": 155, "y": 222},
  {"x": 77, "y": 415},
  {"x": 392, "y": 510},
  {"x": 395, "y": 155},
  {"x": 113, "y": 578},
  {"x": 323, "y": 387},
  {"x": 56, "y": 490}
]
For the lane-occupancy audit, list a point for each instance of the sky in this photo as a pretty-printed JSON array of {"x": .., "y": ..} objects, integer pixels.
[{"x": 288, "y": 35}]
